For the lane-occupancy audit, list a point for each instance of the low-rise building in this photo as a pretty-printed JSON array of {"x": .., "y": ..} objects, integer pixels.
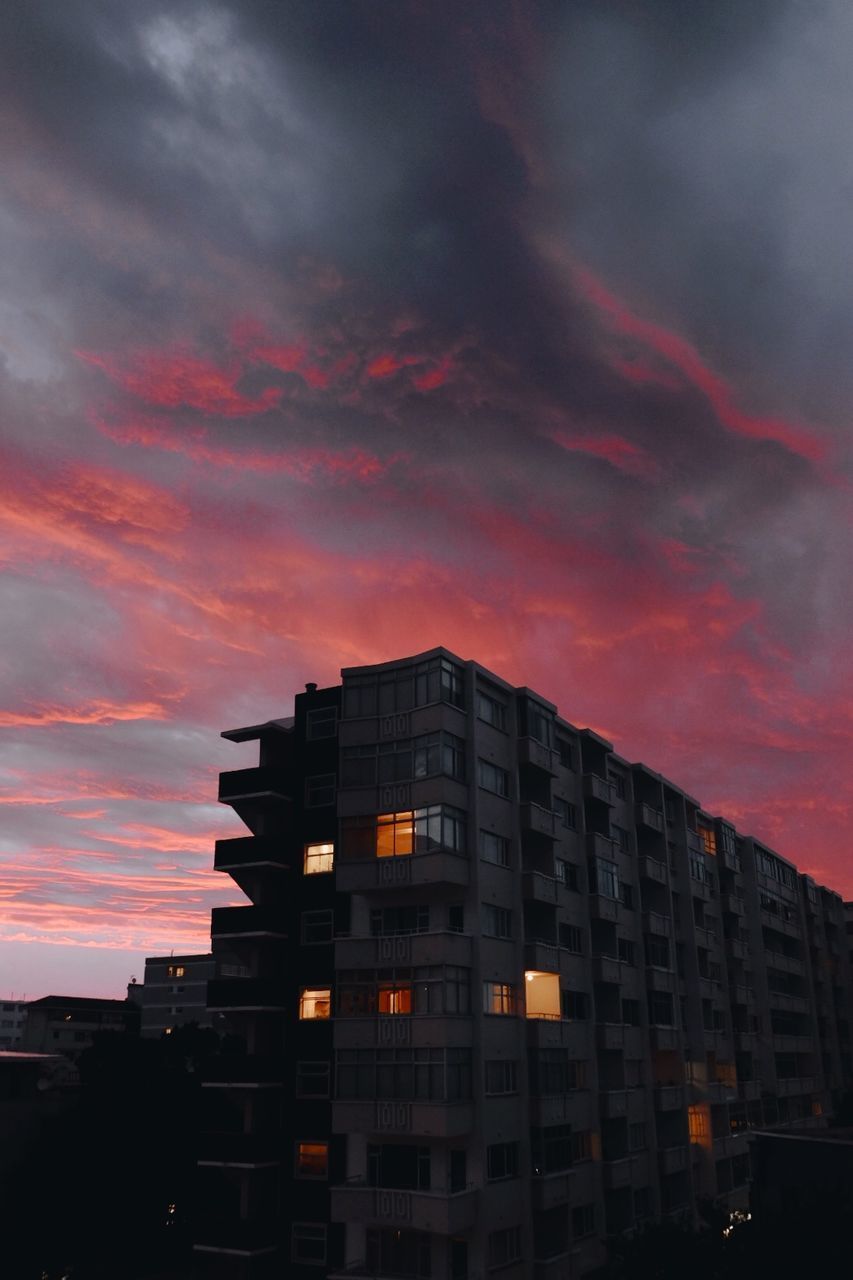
[
  {"x": 67, "y": 1024},
  {"x": 12, "y": 1017},
  {"x": 173, "y": 993}
]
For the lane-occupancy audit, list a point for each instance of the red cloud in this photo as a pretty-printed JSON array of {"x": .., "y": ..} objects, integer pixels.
[
  {"x": 620, "y": 453},
  {"x": 176, "y": 379}
]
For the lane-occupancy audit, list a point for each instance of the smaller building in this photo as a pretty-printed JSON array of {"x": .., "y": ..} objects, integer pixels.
[
  {"x": 68, "y": 1024},
  {"x": 173, "y": 993},
  {"x": 12, "y": 1017}
]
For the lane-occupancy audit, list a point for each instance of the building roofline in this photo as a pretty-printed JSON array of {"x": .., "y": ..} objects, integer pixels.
[{"x": 252, "y": 731}]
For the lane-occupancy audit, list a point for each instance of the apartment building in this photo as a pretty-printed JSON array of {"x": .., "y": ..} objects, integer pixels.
[
  {"x": 69, "y": 1024},
  {"x": 173, "y": 993},
  {"x": 13, "y": 1014},
  {"x": 500, "y": 994}
]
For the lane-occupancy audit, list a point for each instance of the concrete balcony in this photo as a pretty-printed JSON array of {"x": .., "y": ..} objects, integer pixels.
[
  {"x": 404, "y": 949},
  {"x": 240, "y": 1150},
  {"x": 610, "y": 1035},
  {"x": 648, "y": 817},
  {"x": 415, "y": 1119},
  {"x": 664, "y": 1039},
  {"x": 792, "y": 1044},
  {"x": 230, "y": 995},
  {"x": 795, "y": 1086},
  {"x": 790, "y": 927},
  {"x": 441, "y": 1213},
  {"x": 733, "y": 904},
  {"x": 669, "y": 1097},
  {"x": 438, "y": 867},
  {"x": 559, "y": 1033},
  {"x": 539, "y": 820},
  {"x": 654, "y": 922},
  {"x": 652, "y": 869},
  {"x": 246, "y": 853},
  {"x": 551, "y": 1189},
  {"x": 613, "y": 1103},
  {"x": 542, "y": 956},
  {"x": 259, "y": 783},
  {"x": 247, "y": 922},
  {"x": 792, "y": 1004},
  {"x": 744, "y": 995},
  {"x": 606, "y": 969},
  {"x": 616, "y": 1173},
  {"x": 536, "y": 755},
  {"x": 786, "y": 964},
  {"x": 400, "y": 1031},
  {"x": 738, "y": 948},
  {"x": 598, "y": 789},
  {"x": 673, "y": 1159},
  {"x": 600, "y": 846},
  {"x": 603, "y": 908},
  {"x": 537, "y": 887},
  {"x": 237, "y": 1238},
  {"x": 660, "y": 979}
]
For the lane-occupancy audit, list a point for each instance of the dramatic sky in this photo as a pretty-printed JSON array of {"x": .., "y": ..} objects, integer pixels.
[{"x": 333, "y": 331}]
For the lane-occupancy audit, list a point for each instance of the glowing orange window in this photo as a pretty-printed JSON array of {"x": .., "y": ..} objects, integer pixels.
[
  {"x": 395, "y": 834},
  {"x": 394, "y": 999}
]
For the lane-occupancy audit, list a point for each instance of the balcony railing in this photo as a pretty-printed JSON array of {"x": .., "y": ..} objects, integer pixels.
[
  {"x": 443, "y": 1213},
  {"x": 249, "y": 851},
  {"x": 649, "y": 817},
  {"x": 259, "y": 783},
  {"x": 598, "y": 789},
  {"x": 536, "y": 818},
  {"x": 247, "y": 922}
]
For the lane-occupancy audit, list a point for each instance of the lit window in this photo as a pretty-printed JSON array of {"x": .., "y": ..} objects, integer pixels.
[
  {"x": 542, "y": 994},
  {"x": 318, "y": 857},
  {"x": 395, "y": 834},
  {"x": 175, "y": 971},
  {"x": 699, "y": 1125},
  {"x": 312, "y": 1159},
  {"x": 392, "y": 999},
  {"x": 498, "y": 997},
  {"x": 314, "y": 1002},
  {"x": 709, "y": 839}
]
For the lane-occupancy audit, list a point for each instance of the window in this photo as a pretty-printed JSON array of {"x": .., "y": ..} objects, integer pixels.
[
  {"x": 566, "y": 752},
  {"x": 456, "y": 917},
  {"x": 496, "y": 921},
  {"x": 492, "y": 778},
  {"x": 617, "y": 777},
  {"x": 393, "y": 998},
  {"x": 657, "y": 951},
  {"x": 570, "y": 875},
  {"x": 398, "y": 1253},
  {"x": 318, "y": 858},
  {"x": 553, "y": 1072},
  {"x": 437, "y": 753},
  {"x": 636, "y": 1137},
  {"x": 308, "y": 1243},
  {"x": 502, "y": 1161},
  {"x": 583, "y": 1221},
  {"x": 643, "y": 1202},
  {"x": 494, "y": 848},
  {"x": 604, "y": 878},
  {"x": 390, "y": 922},
  {"x": 581, "y": 1145},
  {"x": 699, "y": 1125},
  {"x": 492, "y": 711},
  {"x": 626, "y": 896},
  {"x": 175, "y": 971},
  {"x": 567, "y": 813},
  {"x": 571, "y": 938},
  {"x": 542, "y": 994},
  {"x": 538, "y": 722},
  {"x": 428, "y": 1075},
  {"x": 321, "y": 722},
  {"x": 395, "y": 834},
  {"x": 575, "y": 1005},
  {"x": 626, "y": 951},
  {"x": 402, "y": 1168},
  {"x": 317, "y": 927},
  {"x": 501, "y": 1076},
  {"x": 551, "y": 1149},
  {"x": 631, "y": 1013},
  {"x": 320, "y": 790},
  {"x": 312, "y": 1160},
  {"x": 709, "y": 839},
  {"x": 503, "y": 1247},
  {"x": 622, "y": 837},
  {"x": 314, "y": 1002},
  {"x": 439, "y": 680},
  {"x": 312, "y": 1079},
  {"x": 499, "y": 997},
  {"x": 660, "y": 1009}
]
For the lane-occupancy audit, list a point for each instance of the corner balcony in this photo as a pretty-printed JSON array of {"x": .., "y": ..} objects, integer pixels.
[
  {"x": 441, "y": 1213},
  {"x": 436, "y": 867},
  {"x": 646, "y": 816},
  {"x": 537, "y": 756},
  {"x": 246, "y": 922},
  {"x": 243, "y": 995},
  {"x": 246, "y": 853},
  {"x": 598, "y": 789},
  {"x": 401, "y": 1118},
  {"x": 548, "y": 1190},
  {"x": 261, "y": 783}
]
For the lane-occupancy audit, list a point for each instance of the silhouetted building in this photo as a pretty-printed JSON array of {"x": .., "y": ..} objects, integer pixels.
[
  {"x": 12, "y": 1017},
  {"x": 66, "y": 1024},
  {"x": 173, "y": 993},
  {"x": 525, "y": 993}
]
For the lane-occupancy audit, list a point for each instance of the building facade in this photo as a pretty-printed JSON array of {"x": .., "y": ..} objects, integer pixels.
[
  {"x": 68, "y": 1024},
  {"x": 173, "y": 993},
  {"x": 525, "y": 993},
  {"x": 12, "y": 1017}
]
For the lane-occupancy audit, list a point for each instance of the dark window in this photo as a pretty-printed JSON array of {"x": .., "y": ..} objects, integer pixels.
[
  {"x": 389, "y": 922},
  {"x": 501, "y": 1076},
  {"x": 308, "y": 1241},
  {"x": 312, "y": 1079},
  {"x": 575, "y": 1005},
  {"x": 439, "y": 680},
  {"x": 496, "y": 921},
  {"x": 583, "y": 1221},
  {"x": 321, "y": 722},
  {"x": 492, "y": 778},
  {"x": 626, "y": 950},
  {"x": 503, "y": 1247},
  {"x": 317, "y": 926},
  {"x": 631, "y": 1013},
  {"x": 502, "y": 1161},
  {"x": 456, "y": 918},
  {"x": 551, "y": 1149},
  {"x": 571, "y": 937},
  {"x": 567, "y": 813},
  {"x": 494, "y": 848},
  {"x": 566, "y": 752},
  {"x": 571, "y": 876},
  {"x": 320, "y": 790},
  {"x": 492, "y": 711}
]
